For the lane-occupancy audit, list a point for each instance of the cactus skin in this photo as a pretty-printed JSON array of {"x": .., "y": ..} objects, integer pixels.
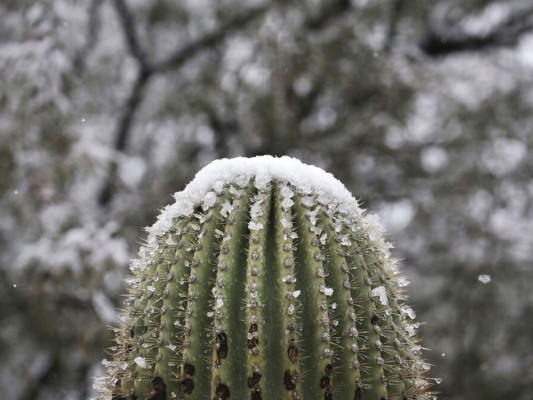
[{"x": 266, "y": 290}]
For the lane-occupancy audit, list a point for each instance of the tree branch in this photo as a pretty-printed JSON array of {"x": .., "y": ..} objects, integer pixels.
[
  {"x": 211, "y": 39},
  {"x": 396, "y": 8},
  {"x": 127, "y": 21},
  {"x": 507, "y": 33},
  {"x": 93, "y": 28},
  {"x": 133, "y": 103},
  {"x": 122, "y": 133},
  {"x": 147, "y": 70},
  {"x": 125, "y": 121},
  {"x": 327, "y": 14}
]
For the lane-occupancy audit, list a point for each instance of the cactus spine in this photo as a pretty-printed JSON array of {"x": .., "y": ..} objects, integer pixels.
[{"x": 266, "y": 281}]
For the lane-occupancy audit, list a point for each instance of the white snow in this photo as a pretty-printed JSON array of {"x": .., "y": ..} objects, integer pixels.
[
  {"x": 288, "y": 279},
  {"x": 397, "y": 215},
  {"x": 227, "y": 208},
  {"x": 381, "y": 294},
  {"x": 210, "y": 199},
  {"x": 170, "y": 242},
  {"x": 345, "y": 241},
  {"x": 172, "y": 347},
  {"x": 286, "y": 223},
  {"x": 312, "y": 215},
  {"x": 262, "y": 178},
  {"x": 402, "y": 282},
  {"x": 406, "y": 310},
  {"x": 256, "y": 210},
  {"x": 286, "y": 192},
  {"x": 220, "y": 302},
  {"x": 296, "y": 293},
  {"x": 287, "y": 203},
  {"x": 286, "y": 195},
  {"x": 131, "y": 170},
  {"x": 141, "y": 362},
  {"x": 218, "y": 186},
  {"x": 504, "y": 155},
  {"x": 433, "y": 158},
  {"x": 263, "y": 169},
  {"x": 484, "y": 278},
  {"x": 255, "y": 226},
  {"x": 373, "y": 224},
  {"x": 307, "y": 201},
  {"x": 328, "y": 291}
]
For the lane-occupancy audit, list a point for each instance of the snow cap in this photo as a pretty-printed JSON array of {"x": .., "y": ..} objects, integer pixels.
[{"x": 305, "y": 178}]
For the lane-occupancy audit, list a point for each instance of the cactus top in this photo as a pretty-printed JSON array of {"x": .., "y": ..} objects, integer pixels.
[
  {"x": 212, "y": 178},
  {"x": 265, "y": 280}
]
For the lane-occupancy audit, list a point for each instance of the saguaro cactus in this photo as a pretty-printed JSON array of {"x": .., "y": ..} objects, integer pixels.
[{"x": 265, "y": 280}]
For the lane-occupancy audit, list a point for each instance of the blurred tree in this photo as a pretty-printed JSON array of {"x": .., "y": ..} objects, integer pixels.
[{"x": 421, "y": 108}]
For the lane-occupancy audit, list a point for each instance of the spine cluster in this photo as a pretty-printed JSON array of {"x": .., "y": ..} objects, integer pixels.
[{"x": 267, "y": 291}]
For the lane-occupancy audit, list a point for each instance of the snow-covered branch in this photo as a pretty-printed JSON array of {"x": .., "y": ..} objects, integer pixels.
[{"x": 505, "y": 33}]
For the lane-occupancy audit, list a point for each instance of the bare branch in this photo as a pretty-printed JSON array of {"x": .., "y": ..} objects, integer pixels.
[
  {"x": 396, "y": 8},
  {"x": 133, "y": 103},
  {"x": 507, "y": 33},
  {"x": 123, "y": 131},
  {"x": 130, "y": 32},
  {"x": 93, "y": 28},
  {"x": 328, "y": 13},
  {"x": 146, "y": 71},
  {"x": 211, "y": 39}
]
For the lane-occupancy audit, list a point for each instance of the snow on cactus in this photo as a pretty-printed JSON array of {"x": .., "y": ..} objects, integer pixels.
[{"x": 265, "y": 280}]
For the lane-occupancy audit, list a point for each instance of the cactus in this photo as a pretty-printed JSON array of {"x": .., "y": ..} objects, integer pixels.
[{"x": 265, "y": 280}]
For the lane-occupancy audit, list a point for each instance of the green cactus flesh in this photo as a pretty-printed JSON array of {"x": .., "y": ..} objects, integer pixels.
[{"x": 266, "y": 283}]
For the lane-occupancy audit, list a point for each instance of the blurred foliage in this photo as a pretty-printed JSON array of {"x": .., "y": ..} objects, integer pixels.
[{"x": 421, "y": 108}]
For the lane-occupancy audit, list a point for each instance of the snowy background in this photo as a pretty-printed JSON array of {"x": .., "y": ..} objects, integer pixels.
[{"x": 422, "y": 109}]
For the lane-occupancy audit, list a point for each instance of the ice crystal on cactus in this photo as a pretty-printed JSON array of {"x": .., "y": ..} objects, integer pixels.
[{"x": 265, "y": 280}]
